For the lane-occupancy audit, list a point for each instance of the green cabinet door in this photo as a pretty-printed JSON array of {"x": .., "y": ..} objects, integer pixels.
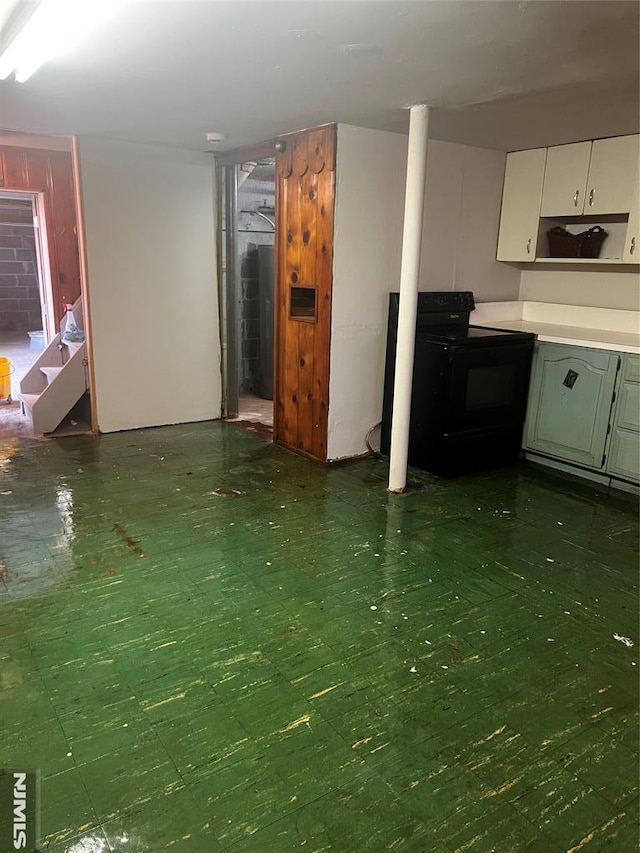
[
  {"x": 570, "y": 402},
  {"x": 623, "y": 456}
]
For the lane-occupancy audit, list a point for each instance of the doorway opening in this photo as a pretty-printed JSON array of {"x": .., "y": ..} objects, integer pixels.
[
  {"x": 248, "y": 239},
  {"x": 31, "y": 356},
  {"x": 25, "y": 301}
]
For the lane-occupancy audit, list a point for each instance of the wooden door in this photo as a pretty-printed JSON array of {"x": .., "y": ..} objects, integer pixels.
[
  {"x": 521, "y": 199},
  {"x": 614, "y": 163},
  {"x": 305, "y": 187},
  {"x": 565, "y": 179},
  {"x": 570, "y": 402}
]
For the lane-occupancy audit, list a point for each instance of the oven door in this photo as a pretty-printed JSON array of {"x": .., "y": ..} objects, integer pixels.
[{"x": 489, "y": 385}]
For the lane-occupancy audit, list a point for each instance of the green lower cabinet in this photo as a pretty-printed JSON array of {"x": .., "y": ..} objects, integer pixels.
[
  {"x": 624, "y": 455},
  {"x": 627, "y": 410},
  {"x": 570, "y": 403},
  {"x": 623, "y": 458}
]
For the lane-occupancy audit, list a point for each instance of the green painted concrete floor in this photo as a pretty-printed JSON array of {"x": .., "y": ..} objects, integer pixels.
[{"x": 210, "y": 644}]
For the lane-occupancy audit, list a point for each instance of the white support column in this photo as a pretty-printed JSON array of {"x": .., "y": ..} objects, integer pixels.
[{"x": 409, "y": 271}]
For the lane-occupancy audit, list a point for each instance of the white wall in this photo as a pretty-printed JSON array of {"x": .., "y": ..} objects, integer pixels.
[
  {"x": 462, "y": 214},
  {"x": 150, "y": 234},
  {"x": 462, "y": 217},
  {"x": 369, "y": 208},
  {"x": 460, "y": 233},
  {"x": 594, "y": 288}
]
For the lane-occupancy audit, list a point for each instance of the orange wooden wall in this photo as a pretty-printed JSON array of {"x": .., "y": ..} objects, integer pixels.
[
  {"x": 305, "y": 188},
  {"x": 49, "y": 172}
]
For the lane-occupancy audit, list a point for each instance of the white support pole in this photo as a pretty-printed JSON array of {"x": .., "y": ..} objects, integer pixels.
[{"x": 409, "y": 272}]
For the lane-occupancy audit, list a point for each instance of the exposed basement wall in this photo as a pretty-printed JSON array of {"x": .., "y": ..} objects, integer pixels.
[
  {"x": 600, "y": 289},
  {"x": 253, "y": 231},
  {"x": 370, "y": 183},
  {"x": 150, "y": 233}
]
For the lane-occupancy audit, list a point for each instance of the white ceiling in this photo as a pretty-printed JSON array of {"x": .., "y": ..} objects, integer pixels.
[
  {"x": 499, "y": 73},
  {"x": 6, "y": 8}
]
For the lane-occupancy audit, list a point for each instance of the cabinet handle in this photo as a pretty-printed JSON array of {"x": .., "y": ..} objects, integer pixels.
[
  {"x": 575, "y": 198},
  {"x": 529, "y": 246},
  {"x": 632, "y": 248},
  {"x": 591, "y": 195}
]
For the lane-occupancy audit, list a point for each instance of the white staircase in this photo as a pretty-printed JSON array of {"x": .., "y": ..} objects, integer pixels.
[{"x": 56, "y": 381}]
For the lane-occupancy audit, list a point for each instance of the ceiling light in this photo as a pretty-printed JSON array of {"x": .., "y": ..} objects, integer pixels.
[{"x": 54, "y": 26}]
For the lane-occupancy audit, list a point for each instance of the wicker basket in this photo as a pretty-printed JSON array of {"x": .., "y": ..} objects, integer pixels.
[{"x": 588, "y": 244}]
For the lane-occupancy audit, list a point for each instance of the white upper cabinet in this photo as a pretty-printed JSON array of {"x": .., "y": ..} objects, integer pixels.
[
  {"x": 632, "y": 242},
  {"x": 521, "y": 197},
  {"x": 614, "y": 162},
  {"x": 573, "y": 187},
  {"x": 590, "y": 178},
  {"x": 565, "y": 180}
]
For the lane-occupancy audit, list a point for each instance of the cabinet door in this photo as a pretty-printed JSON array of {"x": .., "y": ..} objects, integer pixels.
[
  {"x": 565, "y": 179},
  {"x": 631, "y": 368},
  {"x": 570, "y": 403},
  {"x": 614, "y": 162},
  {"x": 628, "y": 406},
  {"x": 624, "y": 451},
  {"x": 632, "y": 241},
  {"x": 521, "y": 199},
  {"x": 624, "y": 455}
]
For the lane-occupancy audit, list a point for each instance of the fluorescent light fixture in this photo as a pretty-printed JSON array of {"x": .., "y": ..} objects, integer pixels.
[{"x": 54, "y": 26}]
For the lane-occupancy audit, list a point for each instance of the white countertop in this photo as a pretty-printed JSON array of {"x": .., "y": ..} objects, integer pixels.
[{"x": 598, "y": 328}]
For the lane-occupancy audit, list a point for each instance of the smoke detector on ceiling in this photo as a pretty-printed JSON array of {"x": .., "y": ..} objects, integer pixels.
[{"x": 214, "y": 138}]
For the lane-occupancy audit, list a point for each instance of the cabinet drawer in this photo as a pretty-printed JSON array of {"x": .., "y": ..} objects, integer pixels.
[
  {"x": 628, "y": 408},
  {"x": 624, "y": 455},
  {"x": 631, "y": 368}
]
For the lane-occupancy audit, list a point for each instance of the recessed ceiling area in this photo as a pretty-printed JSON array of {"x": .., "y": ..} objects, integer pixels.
[{"x": 498, "y": 74}]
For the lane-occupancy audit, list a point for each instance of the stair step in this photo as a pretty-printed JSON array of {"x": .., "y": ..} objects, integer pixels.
[
  {"x": 29, "y": 399},
  {"x": 51, "y": 372},
  {"x": 73, "y": 346}
]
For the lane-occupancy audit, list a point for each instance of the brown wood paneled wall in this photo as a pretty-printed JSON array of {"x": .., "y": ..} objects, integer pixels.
[
  {"x": 305, "y": 190},
  {"x": 49, "y": 172}
]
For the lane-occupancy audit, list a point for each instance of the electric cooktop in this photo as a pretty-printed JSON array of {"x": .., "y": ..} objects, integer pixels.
[{"x": 470, "y": 334}]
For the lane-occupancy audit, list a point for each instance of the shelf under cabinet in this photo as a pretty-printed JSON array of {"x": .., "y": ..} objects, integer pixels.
[
  {"x": 612, "y": 250},
  {"x": 582, "y": 261}
]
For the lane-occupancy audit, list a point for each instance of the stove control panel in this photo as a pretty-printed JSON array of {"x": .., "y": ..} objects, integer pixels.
[{"x": 445, "y": 301}]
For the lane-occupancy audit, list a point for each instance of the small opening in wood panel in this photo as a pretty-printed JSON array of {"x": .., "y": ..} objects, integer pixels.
[{"x": 302, "y": 304}]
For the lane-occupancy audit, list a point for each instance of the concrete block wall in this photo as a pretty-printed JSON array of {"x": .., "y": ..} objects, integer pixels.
[
  {"x": 19, "y": 294},
  {"x": 253, "y": 231},
  {"x": 249, "y": 312}
]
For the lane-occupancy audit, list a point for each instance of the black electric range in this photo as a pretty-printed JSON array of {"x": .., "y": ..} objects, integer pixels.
[{"x": 470, "y": 386}]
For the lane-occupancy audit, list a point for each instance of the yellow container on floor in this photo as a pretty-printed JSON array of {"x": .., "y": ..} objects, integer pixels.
[{"x": 5, "y": 380}]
